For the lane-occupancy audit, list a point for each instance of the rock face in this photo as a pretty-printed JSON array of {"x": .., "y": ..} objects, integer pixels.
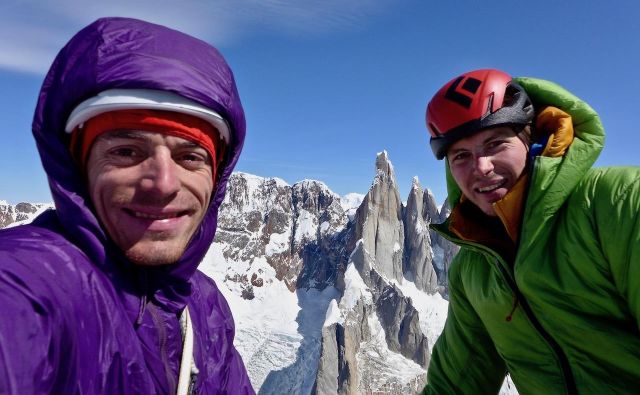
[
  {"x": 376, "y": 254},
  {"x": 444, "y": 250},
  {"x": 382, "y": 258},
  {"x": 418, "y": 257},
  {"x": 11, "y": 215},
  {"x": 379, "y": 221},
  {"x": 292, "y": 227}
]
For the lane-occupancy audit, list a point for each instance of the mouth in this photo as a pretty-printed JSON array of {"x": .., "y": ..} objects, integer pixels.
[
  {"x": 492, "y": 187},
  {"x": 156, "y": 216}
]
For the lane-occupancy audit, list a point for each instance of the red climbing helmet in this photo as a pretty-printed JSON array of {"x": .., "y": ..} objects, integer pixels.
[{"x": 474, "y": 101}]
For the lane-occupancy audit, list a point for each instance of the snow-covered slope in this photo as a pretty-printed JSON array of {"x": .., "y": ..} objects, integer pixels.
[{"x": 278, "y": 332}]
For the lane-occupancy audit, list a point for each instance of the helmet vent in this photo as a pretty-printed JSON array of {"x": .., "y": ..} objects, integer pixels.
[
  {"x": 434, "y": 130},
  {"x": 470, "y": 85},
  {"x": 489, "y": 106},
  {"x": 510, "y": 96}
]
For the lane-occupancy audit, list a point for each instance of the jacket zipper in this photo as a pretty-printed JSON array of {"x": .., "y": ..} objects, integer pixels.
[
  {"x": 562, "y": 358},
  {"x": 162, "y": 335},
  {"x": 555, "y": 347}
]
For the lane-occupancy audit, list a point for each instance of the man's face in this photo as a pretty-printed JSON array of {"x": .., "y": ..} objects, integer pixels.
[
  {"x": 486, "y": 165},
  {"x": 150, "y": 192}
]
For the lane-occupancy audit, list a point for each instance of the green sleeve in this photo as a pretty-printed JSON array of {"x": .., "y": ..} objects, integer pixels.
[
  {"x": 464, "y": 359},
  {"x": 617, "y": 221}
]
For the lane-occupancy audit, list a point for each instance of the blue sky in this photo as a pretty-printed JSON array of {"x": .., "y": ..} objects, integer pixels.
[{"x": 327, "y": 84}]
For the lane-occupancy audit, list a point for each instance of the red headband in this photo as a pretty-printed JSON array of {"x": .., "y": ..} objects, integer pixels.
[{"x": 166, "y": 122}]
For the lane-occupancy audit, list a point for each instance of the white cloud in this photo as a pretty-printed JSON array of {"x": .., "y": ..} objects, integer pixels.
[{"x": 31, "y": 32}]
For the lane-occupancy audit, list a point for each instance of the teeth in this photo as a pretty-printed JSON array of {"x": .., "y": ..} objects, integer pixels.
[
  {"x": 487, "y": 189},
  {"x": 152, "y": 216},
  {"x": 490, "y": 187}
]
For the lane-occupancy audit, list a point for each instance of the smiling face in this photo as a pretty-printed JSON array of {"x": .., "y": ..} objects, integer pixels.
[
  {"x": 150, "y": 192},
  {"x": 487, "y": 164}
]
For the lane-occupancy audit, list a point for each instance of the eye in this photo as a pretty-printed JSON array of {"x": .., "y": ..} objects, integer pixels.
[
  {"x": 125, "y": 155},
  {"x": 494, "y": 144},
  {"x": 191, "y": 157},
  {"x": 125, "y": 152},
  {"x": 193, "y": 160},
  {"x": 459, "y": 157}
]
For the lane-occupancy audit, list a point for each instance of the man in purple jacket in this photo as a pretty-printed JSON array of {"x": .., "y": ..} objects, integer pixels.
[{"x": 138, "y": 128}]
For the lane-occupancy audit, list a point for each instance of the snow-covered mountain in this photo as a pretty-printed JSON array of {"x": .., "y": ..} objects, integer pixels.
[
  {"x": 12, "y": 215},
  {"x": 330, "y": 294}
]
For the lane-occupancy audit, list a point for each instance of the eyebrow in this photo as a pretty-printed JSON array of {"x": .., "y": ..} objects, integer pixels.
[
  {"x": 507, "y": 132},
  {"x": 499, "y": 134},
  {"x": 123, "y": 134},
  {"x": 453, "y": 151},
  {"x": 142, "y": 136}
]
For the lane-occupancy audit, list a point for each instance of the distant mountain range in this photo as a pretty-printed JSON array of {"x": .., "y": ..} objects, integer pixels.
[
  {"x": 11, "y": 215},
  {"x": 330, "y": 294}
]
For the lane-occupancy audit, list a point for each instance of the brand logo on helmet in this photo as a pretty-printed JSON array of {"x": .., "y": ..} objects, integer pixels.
[{"x": 471, "y": 85}]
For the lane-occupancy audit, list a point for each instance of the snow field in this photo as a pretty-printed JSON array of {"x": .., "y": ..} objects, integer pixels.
[{"x": 278, "y": 333}]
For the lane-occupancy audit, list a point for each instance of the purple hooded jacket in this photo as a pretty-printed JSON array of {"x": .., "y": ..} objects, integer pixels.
[{"x": 75, "y": 316}]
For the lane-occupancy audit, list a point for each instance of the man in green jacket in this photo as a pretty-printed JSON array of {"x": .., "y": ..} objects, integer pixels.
[{"x": 546, "y": 286}]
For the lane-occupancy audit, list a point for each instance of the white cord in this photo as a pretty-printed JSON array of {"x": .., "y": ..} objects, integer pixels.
[{"x": 184, "y": 377}]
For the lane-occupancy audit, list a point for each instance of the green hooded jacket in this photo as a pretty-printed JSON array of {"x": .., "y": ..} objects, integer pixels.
[{"x": 563, "y": 318}]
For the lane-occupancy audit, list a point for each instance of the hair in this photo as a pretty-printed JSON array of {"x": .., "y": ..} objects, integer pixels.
[{"x": 525, "y": 134}]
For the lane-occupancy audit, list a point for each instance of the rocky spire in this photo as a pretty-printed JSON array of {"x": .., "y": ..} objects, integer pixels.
[
  {"x": 376, "y": 263},
  {"x": 418, "y": 256},
  {"x": 379, "y": 221}
]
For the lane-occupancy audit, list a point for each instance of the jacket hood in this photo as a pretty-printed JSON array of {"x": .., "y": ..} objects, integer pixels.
[
  {"x": 131, "y": 54},
  {"x": 553, "y": 179}
]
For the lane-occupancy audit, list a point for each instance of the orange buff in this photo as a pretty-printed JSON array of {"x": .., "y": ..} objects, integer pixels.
[{"x": 166, "y": 122}]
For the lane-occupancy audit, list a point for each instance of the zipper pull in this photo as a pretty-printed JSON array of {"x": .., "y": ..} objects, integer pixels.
[{"x": 513, "y": 308}]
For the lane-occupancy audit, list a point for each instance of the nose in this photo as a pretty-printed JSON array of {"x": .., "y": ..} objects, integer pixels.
[
  {"x": 161, "y": 176},
  {"x": 483, "y": 165}
]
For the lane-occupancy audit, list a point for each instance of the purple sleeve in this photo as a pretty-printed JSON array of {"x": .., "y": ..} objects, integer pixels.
[
  {"x": 238, "y": 379},
  {"x": 31, "y": 343}
]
